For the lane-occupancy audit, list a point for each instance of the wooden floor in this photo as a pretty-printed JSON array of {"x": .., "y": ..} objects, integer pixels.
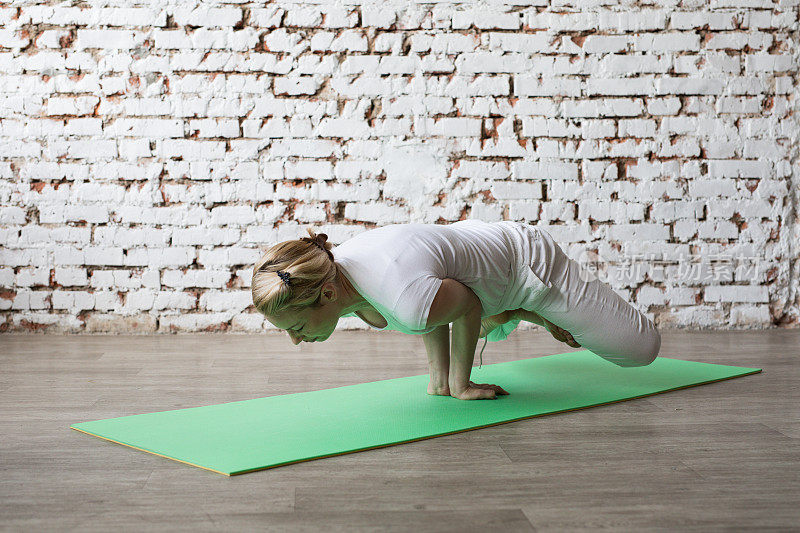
[{"x": 720, "y": 456}]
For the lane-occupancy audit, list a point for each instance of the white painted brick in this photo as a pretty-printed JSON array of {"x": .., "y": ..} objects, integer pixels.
[
  {"x": 343, "y": 128},
  {"x": 717, "y": 229},
  {"x": 636, "y": 128},
  {"x": 320, "y": 170},
  {"x": 378, "y": 16},
  {"x": 296, "y": 85},
  {"x": 159, "y": 257},
  {"x": 108, "y": 39},
  {"x": 712, "y": 188},
  {"x": 207, "y": 16},
  {"x": 538, "y": 43},
  {"x": 214, "y": 127},
  {"x": 687, "y": 20},
  {"x": 227, "y": 256},
  {"x": 303, "y": 16},
  {"x": 667, "y": 42},
  {"x": 685, "y": 229},
  {"x": 146, "y": 299},
  {"x": 750, "y": 316},
  {"x": 7, "y": 277},
  {"x": 77, "y": 149},
  {"x": 204, "y": 236},
  {"x": 740, "y": 169},
  {"x": 27, "y": 299},
  {"x": 736, "y": 293},
  {"x": 193, "y": 322},
  {"x": 195, "y": 278},
  {"x": 492, "y": 62},
  {"x": 250, "y": 322},
  {"x": 603, "y": 211},
  {"x": 345, "y": 41},
  {"x": 124, "y": 279},
  {"x": 644, "y": 231},
  {"x": 96, "y": 192},
  {"x": 310, "y": 213},
  {"x": 374, "y": 213},
  {"x": 643, "y": 20},
  {"x": 673, "y": 210},
  {"x": 28, "y": 277},
  {"x": 765, "y": 62},
  {"x": 534, "y": 85},
  {"x": 524, "y": 210},
  {"x": 447, "y": 127},
  {"x": 304, "y": 148},
  {"x": 232, "y": 301},
  {"x": 233, "y": 214},
  {"x": 73, "y": 301},
  {"x": 54, "y": 214},
  {"x": 486, "y": 19},
  {"x": 79, "y": 105},
  {"x": 190, "y": 150},
  {"x": 266, "y": 17},
  {"x": 509, "y": 190},
  {"x": 130, "y": 237},
  {"x": 108, "y": 301},
  {"x": 757, "y": 208},
  {"x": 523, "y": 170},
  {"x": 150, "y": 127},
  {"x": 83, "y": 126},
  {"x": 648, "y": 296},
  {"x": 489, "y": 170},
  {"x": 70, "y": 277},
  {"x": 12, "y": 215},
  {"x": 8, "y": 298}
]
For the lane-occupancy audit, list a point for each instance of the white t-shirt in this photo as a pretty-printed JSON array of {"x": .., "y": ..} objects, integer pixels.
[{"x": 399, "y": 268}]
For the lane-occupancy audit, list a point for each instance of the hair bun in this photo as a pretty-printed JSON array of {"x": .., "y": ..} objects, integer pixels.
[{"x": 319, "y": 240}]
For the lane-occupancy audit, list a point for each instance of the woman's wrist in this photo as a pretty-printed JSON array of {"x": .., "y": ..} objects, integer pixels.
[{"x": 437, "y": 344}]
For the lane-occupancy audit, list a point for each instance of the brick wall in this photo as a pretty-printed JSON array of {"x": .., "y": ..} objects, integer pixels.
[{"x": 148, "y": 153}]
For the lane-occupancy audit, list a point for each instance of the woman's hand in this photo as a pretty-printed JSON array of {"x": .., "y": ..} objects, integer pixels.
[
  {"x": 560, "y": 334},
  {"x": 479, "y": 391}
]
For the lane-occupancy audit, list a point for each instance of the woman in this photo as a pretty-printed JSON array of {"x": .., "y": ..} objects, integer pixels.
[{"x": 484, "y": 278}]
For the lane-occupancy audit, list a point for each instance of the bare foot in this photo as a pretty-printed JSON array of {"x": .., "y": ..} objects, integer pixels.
[{"x": 560, "y": 334}]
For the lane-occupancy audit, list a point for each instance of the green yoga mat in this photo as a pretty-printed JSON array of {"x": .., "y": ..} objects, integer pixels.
[{"x": 244, "y": 436}]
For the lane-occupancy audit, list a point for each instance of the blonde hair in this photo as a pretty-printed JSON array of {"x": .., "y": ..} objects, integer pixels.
[{"x": 309, "y": 263}]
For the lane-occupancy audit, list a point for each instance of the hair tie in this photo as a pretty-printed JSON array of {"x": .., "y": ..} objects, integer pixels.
[
  {"x": 285, "y": 277},
  {"x": 316, "y": 241}
]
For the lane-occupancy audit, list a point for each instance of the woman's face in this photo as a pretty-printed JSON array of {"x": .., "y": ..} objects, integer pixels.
[{"x": 311, "y": 324}]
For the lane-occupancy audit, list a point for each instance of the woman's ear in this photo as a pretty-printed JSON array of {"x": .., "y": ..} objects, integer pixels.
[{"x": 329, "y": 290}]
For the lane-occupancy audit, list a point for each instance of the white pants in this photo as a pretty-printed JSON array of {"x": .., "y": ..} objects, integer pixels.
[{"x": 598, "y": 318}]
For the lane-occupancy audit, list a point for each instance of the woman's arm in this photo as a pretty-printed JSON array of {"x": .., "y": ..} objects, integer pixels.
[
  {"x": 437, "y": 344},
  {"x": 466, "y": 329},
  {"x": 455, "y": 302}
]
